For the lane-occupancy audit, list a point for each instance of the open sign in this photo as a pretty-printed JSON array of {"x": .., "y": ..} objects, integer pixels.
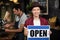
[{"x": 38, "y": 32}]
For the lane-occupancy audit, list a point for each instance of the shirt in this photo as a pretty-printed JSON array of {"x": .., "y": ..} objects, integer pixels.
[
  {"x": 29, "y": 21},
  {"x": 21, "y": 19},
  {"x": 36, "y": 22}
]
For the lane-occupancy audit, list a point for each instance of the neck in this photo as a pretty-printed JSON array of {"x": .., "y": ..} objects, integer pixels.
[
  {"x": 20, "y": 14},
  {"x": 36, "y": 17}
]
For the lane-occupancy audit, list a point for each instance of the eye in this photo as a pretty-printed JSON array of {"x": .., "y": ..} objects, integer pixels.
[
  {"x": 38, "y": 9},
  {"x": 34, "y": 9}
]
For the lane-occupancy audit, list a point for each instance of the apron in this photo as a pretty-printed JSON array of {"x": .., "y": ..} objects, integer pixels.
[{"x": 19, "y": 35}]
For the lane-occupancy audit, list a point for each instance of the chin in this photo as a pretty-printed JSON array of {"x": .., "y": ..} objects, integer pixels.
[
  {"x": 36, "y": 16},
  {"x": 17, "y": 15}
]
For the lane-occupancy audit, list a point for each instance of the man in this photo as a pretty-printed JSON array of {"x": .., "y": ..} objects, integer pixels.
[{"x": 19, "y": 24}]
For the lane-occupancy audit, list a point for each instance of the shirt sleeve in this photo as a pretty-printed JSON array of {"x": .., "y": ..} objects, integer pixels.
[
  {"x": 46, "y": 22},
  {"x": 22, "y": 20}
]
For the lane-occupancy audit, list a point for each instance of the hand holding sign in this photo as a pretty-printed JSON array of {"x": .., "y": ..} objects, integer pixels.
[{"x": 25, "y": 31}]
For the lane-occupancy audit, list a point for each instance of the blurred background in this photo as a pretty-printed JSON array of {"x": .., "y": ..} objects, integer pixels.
[{"x": 8, "y": 4}]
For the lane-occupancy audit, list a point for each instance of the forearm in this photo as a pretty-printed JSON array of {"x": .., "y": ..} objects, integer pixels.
[{"x": 13, "y": 30}]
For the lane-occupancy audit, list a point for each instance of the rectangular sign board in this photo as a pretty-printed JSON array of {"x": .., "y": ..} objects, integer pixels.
[{"x": 38, "y": 32}]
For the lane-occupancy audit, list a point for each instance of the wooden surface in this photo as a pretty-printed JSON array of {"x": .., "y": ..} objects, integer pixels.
[{"x": 10, "y": 35}]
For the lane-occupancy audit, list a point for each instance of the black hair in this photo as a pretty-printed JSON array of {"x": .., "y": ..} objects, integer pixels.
[{"x": 17, "y": 6}]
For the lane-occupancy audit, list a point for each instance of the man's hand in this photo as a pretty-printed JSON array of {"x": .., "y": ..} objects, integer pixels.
[
  {"x": 7, "y": 30},
  {"x": 7, "y": 25}
]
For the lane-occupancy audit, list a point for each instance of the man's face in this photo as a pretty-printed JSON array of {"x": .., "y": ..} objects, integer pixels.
[{"x": 16, "y": 12}]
